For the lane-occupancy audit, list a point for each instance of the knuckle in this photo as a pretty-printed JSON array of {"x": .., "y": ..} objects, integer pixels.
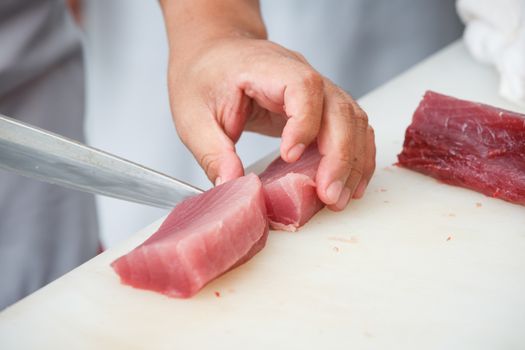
[
  {"x": 356, "y": 116},
  {"x": 209, "y": 162},
  {"x": 299, "y": 56},
  {"x": 340, "y": 163},
  {"x": 356, "y": 172},
  {"x": 361, "y": 116},
  {"x": 354, "y": 177},
  {"x": 312, "y": 80},
  {"x": 343, "y": 147},
  {"x": 360, "y": 120},
  {"x": 345, "y": 156},
  {"x": 346, "y": 108}
]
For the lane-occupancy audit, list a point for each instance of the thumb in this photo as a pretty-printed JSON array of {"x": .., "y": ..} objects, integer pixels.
[{"x": 210, "y": 146}]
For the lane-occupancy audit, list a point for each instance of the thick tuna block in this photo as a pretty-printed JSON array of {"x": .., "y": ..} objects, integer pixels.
[
  {"x": 290, "y": 192},
  {"x": 202, "y": 238},
  {"x": 468, "y": 144}
]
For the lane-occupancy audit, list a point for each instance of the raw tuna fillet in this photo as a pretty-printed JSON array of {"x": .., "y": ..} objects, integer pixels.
[
  {"x": 290, "y": 192},
  {"x": 202, "y": 238},
  {"x": 468, "y": 144}
]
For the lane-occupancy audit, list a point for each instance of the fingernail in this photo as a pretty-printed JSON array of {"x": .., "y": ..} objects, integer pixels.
[
  {"x": 334, "y": 191},
  {"x": 295, "y": 152},
  {"x": 360, "y": 190},
  {"x": 343, "y": 198},
  {"x": 218, "y": 181}
]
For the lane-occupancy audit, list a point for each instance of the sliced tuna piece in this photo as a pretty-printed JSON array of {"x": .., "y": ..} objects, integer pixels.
[
  {"x": 290, "y": 191},
  {"x": 202, "y": 238},
  {"x": 468, "y": 144}
]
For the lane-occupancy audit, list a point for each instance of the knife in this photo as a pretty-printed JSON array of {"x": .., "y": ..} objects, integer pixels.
[{"x": 42, "y": 155}]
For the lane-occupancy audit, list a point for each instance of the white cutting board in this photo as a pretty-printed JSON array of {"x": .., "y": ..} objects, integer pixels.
[{"x": 414, "y": 265}]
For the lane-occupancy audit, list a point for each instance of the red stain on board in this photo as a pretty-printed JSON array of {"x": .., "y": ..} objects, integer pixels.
[
  {"x": 449, "y": 238},
  {"x": 479, "y": 205},
  {"x": 217, "y": 294},
  {"x": 336, "y": 249}
]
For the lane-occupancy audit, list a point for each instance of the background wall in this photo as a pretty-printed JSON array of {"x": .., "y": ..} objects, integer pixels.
[{"x": 359, "y": 44}]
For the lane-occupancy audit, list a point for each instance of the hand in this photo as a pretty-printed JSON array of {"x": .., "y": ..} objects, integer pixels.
[
  {"x": 237, "y": 84},
  {"x": 225, "y": 77}
]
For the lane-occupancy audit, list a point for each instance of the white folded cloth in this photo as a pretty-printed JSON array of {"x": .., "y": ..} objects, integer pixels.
[{"x": 495, "y": 34}]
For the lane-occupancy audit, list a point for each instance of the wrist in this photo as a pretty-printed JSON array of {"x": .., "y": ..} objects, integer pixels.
[{"x": 193, "y": 24}]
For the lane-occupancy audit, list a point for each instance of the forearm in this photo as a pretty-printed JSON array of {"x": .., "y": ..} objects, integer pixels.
[{"x": 191, "y": 23}]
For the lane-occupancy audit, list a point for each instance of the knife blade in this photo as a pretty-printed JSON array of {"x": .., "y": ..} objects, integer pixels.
[{"x": 43, "y": 155}]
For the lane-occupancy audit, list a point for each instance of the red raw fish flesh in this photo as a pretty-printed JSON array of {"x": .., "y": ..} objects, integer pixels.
[
  {"x": 290, "y": 192},
  {"x": 468, "y": 144},
  {"x": 202, "y": 238}
]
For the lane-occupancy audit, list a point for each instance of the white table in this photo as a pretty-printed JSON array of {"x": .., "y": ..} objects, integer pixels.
[{"x": 416, "y": 264}]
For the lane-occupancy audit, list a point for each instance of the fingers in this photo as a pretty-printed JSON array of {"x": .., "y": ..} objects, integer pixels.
[
  {"x": 315, "y": 108},
  {"x": 370, "y": 164},
  {"x": 281, "y": 84},
  {"x": 210, "y": 146},
  {"x": 303, "y": 101},
  {"x": 293, "y": 90},
  {"x": 362, "y": 181},
  {"x": 344, "y": 144}
]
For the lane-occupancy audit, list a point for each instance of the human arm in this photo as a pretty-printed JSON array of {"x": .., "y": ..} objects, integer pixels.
[{"x": 226, "y": 77}]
